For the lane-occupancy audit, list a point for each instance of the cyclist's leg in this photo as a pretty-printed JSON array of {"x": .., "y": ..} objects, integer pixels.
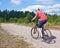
[
  {"x": 39, "y": 27},
  {"x": 40, "y": 24}
]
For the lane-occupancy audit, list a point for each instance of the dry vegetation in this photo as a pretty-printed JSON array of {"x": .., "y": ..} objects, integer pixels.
[
  {"x": 10, "y": 41},
  {"x": 47, "y": 25},
  {"x": 52, "y": 26}
]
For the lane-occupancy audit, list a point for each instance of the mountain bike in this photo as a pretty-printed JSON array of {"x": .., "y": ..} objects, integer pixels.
[{"x": 46, "y": 33}]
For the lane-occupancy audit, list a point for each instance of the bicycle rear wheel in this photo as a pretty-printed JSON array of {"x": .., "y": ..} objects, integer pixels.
[
  {"x": 34, "y": 33},
  {"x": 47, "y": 35}
]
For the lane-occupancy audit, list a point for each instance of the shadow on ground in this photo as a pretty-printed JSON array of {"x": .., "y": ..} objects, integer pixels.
[
  {"x": 50, "y": 40},
  {"x": 53, "y": 39}
]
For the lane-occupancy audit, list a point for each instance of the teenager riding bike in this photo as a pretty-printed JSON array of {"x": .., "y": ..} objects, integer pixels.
[{"x": 42, "y": 19}]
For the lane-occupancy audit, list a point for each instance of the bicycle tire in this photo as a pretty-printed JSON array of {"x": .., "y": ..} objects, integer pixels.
[
  {"x": 49, "y": 35},
  {"x": 36, "y": 35},
  {"x": 48, "y": 32}
]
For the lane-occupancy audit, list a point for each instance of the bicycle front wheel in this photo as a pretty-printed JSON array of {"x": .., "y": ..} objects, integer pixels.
[{"x": 34, "y": 33}]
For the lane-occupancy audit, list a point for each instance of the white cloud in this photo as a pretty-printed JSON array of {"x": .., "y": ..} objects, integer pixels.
[
  {"x": 56, "y": 6},
  {"x": 33, "y": 7},
  {"x": 25, "y": 9},
  {"x": 46, "y": 1},
  {"x": 54, "y": 9},
  {"x": 16, "y": 2}
]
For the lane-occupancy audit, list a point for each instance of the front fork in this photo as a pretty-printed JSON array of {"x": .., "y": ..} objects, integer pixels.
[{"x": 35, "y": 28}]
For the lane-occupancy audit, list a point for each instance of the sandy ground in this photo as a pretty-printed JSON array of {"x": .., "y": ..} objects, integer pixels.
[{"x": 25, "y": 32}]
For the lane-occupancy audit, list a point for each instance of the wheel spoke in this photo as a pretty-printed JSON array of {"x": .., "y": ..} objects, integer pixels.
[
  {"x": 47, "y": 34},
  {"x": 34, "y": 33}
]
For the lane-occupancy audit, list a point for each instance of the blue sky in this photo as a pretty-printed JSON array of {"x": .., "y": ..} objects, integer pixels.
[{"x": 48, "y": 6}]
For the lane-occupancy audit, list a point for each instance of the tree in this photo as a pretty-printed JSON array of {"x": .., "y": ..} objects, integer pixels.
[
  {"x": 5, "y": 15},
  {"x": 28, "y": 18}
]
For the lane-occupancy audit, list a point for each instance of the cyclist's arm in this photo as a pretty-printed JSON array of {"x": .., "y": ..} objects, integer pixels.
[{"x": 34, "y": 18}]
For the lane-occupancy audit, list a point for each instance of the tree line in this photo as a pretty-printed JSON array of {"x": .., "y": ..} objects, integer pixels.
[{"x": 24, "y": 17}]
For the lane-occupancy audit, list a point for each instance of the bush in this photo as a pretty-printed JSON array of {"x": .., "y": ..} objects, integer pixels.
[
  {"x": 20, "y": 20},
  {"x": 1, "y": 20},
  {"x": 57, "y": 21},
  {"x": 13, "y": 20}
]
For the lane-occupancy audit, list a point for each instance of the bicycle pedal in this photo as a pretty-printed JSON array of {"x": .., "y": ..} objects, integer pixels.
[{"x": 42, "y": 37}]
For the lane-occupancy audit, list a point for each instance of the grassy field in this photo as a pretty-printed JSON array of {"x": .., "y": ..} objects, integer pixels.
[{"x": 10, "y": 41}]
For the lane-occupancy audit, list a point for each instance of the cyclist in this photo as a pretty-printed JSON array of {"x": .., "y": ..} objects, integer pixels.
[{"x": 42, "y": 19}]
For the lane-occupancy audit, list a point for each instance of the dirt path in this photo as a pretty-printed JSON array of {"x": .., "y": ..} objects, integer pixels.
[{"x": 25, "y": 32}]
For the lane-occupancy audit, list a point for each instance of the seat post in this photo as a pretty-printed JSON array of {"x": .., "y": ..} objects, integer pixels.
[{"x": 43, "y": 30}]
